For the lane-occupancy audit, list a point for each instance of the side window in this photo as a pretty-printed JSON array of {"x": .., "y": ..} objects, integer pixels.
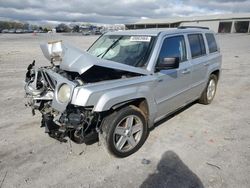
[
  {"x": 211, "y": 42},
  {"x": 173, "y": 47},
  {"x": 197, "y": 45}
]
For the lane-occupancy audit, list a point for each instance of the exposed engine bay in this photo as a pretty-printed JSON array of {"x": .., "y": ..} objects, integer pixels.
[{"x": 40, "y": 88}]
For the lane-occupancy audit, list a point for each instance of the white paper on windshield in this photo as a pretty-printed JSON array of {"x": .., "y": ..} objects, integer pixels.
[{"x": 140, "y": 38}]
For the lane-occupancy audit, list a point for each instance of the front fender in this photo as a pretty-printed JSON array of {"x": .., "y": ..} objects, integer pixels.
[
  {"x": 105, "y": 95},
  {"x": 111, "y": 98},
  {"x": 114, "y": 97}
]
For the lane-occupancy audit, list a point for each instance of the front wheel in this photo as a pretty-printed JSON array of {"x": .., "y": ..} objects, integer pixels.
[
  {"x": 125, "y": 131},
  {"x": 208, "y": 94}
]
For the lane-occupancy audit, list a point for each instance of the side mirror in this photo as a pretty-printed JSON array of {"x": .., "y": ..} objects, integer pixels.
[{"x": 168, "y": 63}]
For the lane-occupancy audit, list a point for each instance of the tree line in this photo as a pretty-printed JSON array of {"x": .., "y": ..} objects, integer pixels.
[
  {"x": 26, "y": 26},
  {"x": 19, "y": 25}
]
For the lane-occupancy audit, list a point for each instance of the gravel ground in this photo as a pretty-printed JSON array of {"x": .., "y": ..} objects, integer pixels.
[{"x": 201, "y": 146}]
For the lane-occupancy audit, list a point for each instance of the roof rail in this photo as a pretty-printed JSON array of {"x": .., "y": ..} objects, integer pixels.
[{"x": 197, "y": 27}]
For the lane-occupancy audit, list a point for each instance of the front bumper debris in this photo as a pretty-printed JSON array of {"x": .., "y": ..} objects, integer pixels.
[{"x": 59, "y": 120}]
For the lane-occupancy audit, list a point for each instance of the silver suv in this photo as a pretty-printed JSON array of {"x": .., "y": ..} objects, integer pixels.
[{"x": 123, "y": 84}]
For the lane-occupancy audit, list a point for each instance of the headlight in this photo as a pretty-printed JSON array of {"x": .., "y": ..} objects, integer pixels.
[{"x": 63, "y": 94}]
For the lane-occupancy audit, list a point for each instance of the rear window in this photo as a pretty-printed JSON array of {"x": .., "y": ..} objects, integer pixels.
[
  {"x": 197, "y": 45},
  {"x": 211, "y": 42}
]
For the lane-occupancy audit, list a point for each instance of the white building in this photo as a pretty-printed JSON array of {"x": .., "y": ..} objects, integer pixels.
[{"x": 221, "y": 23}]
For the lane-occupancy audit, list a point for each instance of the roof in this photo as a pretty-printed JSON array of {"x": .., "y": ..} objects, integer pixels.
[
  {"x": 155, "y": 31},
  {"x": 197, "y": 18}
]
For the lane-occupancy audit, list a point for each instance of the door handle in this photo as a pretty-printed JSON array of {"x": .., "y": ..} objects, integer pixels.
[{"x": 186, "y": 71}]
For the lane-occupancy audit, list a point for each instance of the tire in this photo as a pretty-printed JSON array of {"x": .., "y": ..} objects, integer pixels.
[
  {"x": 208, "y": 94},
  {"x": 124, "y": 131}
]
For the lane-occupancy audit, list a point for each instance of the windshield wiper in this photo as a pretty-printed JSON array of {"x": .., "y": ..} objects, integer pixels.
[{"x": 109, "y": 48}]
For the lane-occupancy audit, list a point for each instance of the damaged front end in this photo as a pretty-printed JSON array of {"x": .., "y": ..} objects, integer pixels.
[
  {"x": 77, "y": 123},
  {"x": 49, "y": 90}
]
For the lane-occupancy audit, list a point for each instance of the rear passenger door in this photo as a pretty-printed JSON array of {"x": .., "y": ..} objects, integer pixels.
[{"x": 199, "y": 63}]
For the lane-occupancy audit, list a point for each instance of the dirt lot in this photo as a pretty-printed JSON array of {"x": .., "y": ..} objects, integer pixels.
[{"x": 202, "y": 146}]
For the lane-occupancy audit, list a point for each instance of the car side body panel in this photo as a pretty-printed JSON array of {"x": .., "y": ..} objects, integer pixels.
[{"x": 103, "y": 96}]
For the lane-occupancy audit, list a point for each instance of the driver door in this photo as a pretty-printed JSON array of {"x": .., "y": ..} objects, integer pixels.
[{"x": 172, "y": 85}]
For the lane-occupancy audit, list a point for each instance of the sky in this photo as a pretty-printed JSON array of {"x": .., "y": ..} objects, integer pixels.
[{"x": 114, "y": 11}]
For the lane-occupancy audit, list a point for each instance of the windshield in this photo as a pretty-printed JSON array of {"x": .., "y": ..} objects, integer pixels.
[{"x": 129, "y": 50}]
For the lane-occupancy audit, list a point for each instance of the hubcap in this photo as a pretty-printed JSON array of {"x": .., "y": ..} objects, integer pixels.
[
  {"x": 211, "y": 89},
  {"x": 128, "y": 133}
]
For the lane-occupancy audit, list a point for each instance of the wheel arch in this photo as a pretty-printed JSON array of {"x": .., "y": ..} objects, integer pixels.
[
  {"x": 216, "y": 73},
  {"x": 140, "y": 103},
  {"x": 148, "y": 108}
]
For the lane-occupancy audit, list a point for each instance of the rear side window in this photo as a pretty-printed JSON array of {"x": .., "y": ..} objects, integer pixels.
[
  {"x": 173, "y": 47},
  {"x": 197, "y": 45},
  {"x": 211, "y": 42}
]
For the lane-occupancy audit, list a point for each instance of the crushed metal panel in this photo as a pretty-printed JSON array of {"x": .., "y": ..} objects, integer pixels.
[{"x": 75, "y": 60}]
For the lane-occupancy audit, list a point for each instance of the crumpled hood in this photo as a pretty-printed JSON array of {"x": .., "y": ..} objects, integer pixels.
[{"x": 75, "y": 60}]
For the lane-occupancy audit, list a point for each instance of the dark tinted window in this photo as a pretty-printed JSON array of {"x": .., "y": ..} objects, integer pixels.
[
  {"x": 173, "y": 47},
  {"x": 197, "y": 45},
  {"x": 211, "y": 42}
]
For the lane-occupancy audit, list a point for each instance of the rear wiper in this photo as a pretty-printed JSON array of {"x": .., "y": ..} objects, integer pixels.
[{"x": 109, "y": 48}]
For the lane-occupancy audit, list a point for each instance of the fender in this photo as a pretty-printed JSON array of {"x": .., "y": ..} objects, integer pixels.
[
  {"x": 215, "y": 66},
  {"x": 114, "y": 97}
]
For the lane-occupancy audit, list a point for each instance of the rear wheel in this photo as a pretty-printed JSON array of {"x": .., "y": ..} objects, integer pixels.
[
  {"x": 124, "y": 131},
  {"x": 208, "y": 94}
]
